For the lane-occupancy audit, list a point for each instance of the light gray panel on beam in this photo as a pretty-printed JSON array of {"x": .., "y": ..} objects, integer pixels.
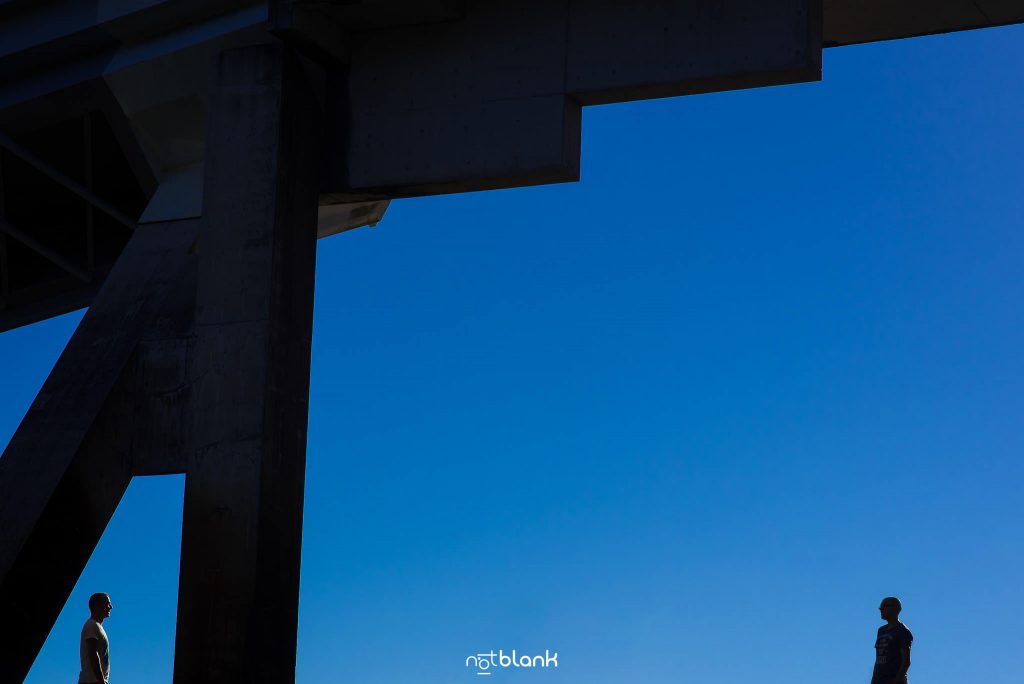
[
  {"x": 466, "y": 105},
  {"x": 624, "y": 50}
]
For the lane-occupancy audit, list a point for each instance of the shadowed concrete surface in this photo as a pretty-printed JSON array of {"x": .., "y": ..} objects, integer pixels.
[
  {"x": 70, "y": 461},
  {"x": 420, "y": 98},
  {"x": 193, "y": 153},
  {"x": 250, "y": 374},
  {"x": 194, "y": 358}
]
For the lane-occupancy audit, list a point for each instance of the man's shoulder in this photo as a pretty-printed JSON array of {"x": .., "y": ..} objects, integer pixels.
[
  {"x": 902, "y": 633},
  {"x": 900, "y": 630},
  {"x": 92, "y": 630}
]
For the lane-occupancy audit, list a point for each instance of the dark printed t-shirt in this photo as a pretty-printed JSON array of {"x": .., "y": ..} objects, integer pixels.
[{"x": 888, "y": 649}]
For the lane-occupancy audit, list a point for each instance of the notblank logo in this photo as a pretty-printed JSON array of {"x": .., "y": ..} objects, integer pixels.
[{"x": 486, "y": 663}]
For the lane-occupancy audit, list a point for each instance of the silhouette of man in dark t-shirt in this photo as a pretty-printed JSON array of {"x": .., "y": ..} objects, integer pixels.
[{"x": 892, "y": 647}]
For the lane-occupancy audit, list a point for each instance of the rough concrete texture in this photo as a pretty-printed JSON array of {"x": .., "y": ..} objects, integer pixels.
[
  {"x": 71, "y": 459},
  {"x": 249, "y": 374},
  {"x": 493, "y": 100},
  {"x": 194, "y": 358}
]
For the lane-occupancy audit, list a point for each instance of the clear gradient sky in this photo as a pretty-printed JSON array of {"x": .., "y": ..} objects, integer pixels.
[{"x": 687, "y": 420}]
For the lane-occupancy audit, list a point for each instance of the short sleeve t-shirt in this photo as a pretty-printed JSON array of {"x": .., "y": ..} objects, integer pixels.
[
  {"x": 93, "y": 630},
  {"x": 888, "y": 651}
]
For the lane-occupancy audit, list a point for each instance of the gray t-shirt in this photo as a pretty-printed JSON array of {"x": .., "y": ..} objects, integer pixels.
[{"x": 93, "y": 630}]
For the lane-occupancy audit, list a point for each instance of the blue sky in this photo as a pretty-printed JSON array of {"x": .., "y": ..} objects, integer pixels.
[{"x": 687, "y": 420}]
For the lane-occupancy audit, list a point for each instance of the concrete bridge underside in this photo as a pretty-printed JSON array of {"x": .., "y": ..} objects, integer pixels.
[{"x": 194, "y": 151}]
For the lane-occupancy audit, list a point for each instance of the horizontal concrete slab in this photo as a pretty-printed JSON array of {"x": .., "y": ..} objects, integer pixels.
[
  {"x": 423, "y": 96},
  {"x": 863, "y": 21},
  {"x": 493, "y": 100},
  {"x": 470, "y": 105},
  {"x": 622, "y": 50}
]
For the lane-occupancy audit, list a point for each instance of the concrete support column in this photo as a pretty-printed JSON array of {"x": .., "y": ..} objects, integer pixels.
[{"x": 249, "y": 373}]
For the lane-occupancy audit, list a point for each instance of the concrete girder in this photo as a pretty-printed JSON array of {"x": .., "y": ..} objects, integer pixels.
[
  {"x": 494, "y": 100},
  {"x": 624, "y": 51},
  {"x": 478, "y": 103},
  {"x": 848, "y": 22},
  {"x": 153, "y": 55}
]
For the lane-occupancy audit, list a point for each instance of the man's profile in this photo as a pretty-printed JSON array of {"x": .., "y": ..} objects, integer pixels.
[
  {"x": 94, "y": 647},
  {"x": 892, "y": 646}
]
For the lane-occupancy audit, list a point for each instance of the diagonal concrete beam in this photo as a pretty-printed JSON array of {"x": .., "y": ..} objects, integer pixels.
[{"x": 70, "y": 461}]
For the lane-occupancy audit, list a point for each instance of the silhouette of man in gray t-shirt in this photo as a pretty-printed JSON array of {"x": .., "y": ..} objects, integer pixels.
[{"x": 94, "y": 647}]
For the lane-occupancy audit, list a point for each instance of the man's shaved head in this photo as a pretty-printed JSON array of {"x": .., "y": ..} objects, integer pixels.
[
  {"x": 892, "y": 601},
  {"x": 98, "y": 602},
  {"x": 890, "y": 609}
]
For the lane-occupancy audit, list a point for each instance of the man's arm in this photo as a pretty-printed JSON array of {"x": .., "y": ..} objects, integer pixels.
[
  {"x": 904, "y": 664},
  {"x": 92, "y": 647}
]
